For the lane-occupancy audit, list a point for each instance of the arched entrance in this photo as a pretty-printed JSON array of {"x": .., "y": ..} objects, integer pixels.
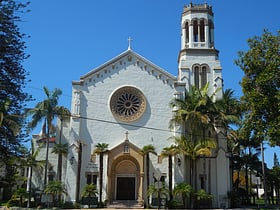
[
  {"x": 125, "y": 180},
  {"x": 126, "y": 174}
]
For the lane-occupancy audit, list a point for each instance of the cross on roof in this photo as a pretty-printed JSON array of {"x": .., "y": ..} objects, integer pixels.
[{"x": 129, "y": 42}]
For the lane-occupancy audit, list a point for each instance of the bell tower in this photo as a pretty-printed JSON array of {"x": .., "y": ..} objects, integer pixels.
[{"x": 198, "y": 61}]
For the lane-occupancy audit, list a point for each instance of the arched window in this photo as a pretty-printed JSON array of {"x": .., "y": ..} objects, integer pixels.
[
  {"x": 187, "y": 32},
  {"x": 202, "y": 31},
  {"x": 196, "y": 77},
  {"x": 195, "y": 31},
  {"x": 211, "y": 31},
  {"x": 200, "y": 76},
  {"x": 203, "y": 76}
]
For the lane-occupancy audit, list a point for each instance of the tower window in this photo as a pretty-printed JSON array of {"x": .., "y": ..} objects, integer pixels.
[
  {"x": 202, "y": 31},
  {"x": 200, "y": 76},
  {"x": 187, "y": 32},
  {"x": 211, "y": 29},
  {"x": 195, "y": 31},
  {"x": 203, "y": 76},
  {"x": 196, "y": 77}
]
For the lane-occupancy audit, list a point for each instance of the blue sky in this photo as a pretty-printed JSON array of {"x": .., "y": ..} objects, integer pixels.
[{"x": 70, "y": 38}]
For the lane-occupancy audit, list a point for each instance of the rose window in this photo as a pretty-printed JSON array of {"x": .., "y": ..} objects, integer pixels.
[{"x": 128, "y": 104}]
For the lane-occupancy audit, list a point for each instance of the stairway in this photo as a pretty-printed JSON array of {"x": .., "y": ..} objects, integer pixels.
[{"x": 125, "y": 204}]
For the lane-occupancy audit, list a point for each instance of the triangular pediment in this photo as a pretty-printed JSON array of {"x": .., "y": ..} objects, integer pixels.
[
  {"x": 125, "y": 147},
  {"x": 119, "y": 62}
]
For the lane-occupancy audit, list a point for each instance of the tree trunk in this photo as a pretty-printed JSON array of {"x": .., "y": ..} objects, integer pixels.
[
  {"x": 78, "y": 180},
  {"x": 59, "y": 164},
  {"x": 170, "y": 177},
  {"x": 47, "y": 156},
  {"x": 101, "y": 177},
  {"x": 247, "y": 184},
  {"x": 59, "y": 167},
  {"x": 148, "y": 170},
  {"x": 29, "y": 187}
]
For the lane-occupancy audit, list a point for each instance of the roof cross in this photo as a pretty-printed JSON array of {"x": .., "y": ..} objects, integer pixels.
[{"x": 129, "y": 42}]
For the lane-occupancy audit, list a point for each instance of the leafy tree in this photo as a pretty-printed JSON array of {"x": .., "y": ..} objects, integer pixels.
[
  {"x": 13, "y": 79},
  {"x": 100, "y": 149},
  {"x": 46, "y": 110},
  {"x": 260, "y": 86},
  {"x": 146, "y": 150},
  {"x": 89, "y": 191}
]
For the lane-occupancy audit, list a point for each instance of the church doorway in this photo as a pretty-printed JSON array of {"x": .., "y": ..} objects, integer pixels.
[
  {"x": 125, "y": 188},
  {"x": 125, "y": 174}
]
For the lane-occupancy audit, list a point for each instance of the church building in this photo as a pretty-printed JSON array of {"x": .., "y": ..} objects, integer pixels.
[{"x": 124, "y": 105}]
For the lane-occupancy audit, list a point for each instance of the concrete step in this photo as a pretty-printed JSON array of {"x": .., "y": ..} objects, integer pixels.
[{"x": 125, "y": 204}]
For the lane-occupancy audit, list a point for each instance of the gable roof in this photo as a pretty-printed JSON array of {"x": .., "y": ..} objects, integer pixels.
[{"x": 126, "y": 54}]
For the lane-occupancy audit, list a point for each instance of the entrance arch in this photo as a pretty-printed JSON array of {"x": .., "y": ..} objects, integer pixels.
[{"x": 125, "y": 182}]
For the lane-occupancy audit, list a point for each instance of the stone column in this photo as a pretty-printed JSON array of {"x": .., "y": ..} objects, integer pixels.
[
  {"x": 207, "y": 40},
  {"x": 140, "y": 190}
]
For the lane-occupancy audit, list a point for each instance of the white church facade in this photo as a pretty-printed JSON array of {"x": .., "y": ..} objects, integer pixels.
[{"x": 125, "y": 103}]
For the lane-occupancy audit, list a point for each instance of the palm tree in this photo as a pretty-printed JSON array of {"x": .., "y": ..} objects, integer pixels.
[
  {"x": 192, "y": 151},
  {"x": 159, "y": 191},
  {"x": 19, "y": 195},
  {"x": 56, "y": 189},
  {"x": 146, "y": 150},
  {"x": 100, "y": 149},
  {"x": 198, "y": 114},
  {"x": 61, "y": 150},
  {"x": 89, "y": 191},
  {"x": 46, "y": 110},
  {"x": 169, "y": 152},
  {"x": 184, "y": 190},
  {"x": 33, "y": 164},
  {"x": 228, "y": 109},
  {"x": 79, "y": 169},
  {"x": 202, "y": 195}
]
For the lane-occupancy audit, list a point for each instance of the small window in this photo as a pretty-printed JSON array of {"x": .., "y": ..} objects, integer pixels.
[
  {"x": 126, "y": 148},
  {"x": 91, "y": 178},
  {"x": 202, "y": 183},
  {"x": 159, "y": 159},
  {"x": 93, "y": 158},
  {"x": 51, "y": 177},
  {"x": 162, "y": 179}
]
